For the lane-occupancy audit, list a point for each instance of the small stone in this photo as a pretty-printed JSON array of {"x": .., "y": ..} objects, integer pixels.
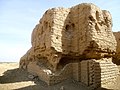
[
  {"x": 31, "y": 76},
  {"x": 62, "y": 88}
]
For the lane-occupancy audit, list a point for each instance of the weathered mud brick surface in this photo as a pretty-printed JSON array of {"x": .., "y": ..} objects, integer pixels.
[
  {"x": 93, "y": 73},
  {"x": 82, "y": 31},
  {"x": 91, "y": 34},
  {"x": 84, "y": 72},
  {"x": 117, "y": 37},
  {"x": 116, "y": 58},
  {"x": 99, "y": 73},
  {"x": 72, "y": 43},
  {"x": 105, "y": 73}
]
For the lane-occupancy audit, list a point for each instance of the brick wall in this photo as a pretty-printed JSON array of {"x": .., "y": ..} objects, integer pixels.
[{"x": 93, "y": 73}]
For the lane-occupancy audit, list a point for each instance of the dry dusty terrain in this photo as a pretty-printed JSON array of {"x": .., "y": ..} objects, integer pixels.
[{"x": 12, "y": 78}]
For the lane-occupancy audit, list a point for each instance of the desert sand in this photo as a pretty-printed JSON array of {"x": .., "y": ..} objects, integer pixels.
[{"x": 13, "y": 78}]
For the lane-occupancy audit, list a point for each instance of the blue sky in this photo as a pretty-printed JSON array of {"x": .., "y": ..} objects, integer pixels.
[{"x": 19, "y": 17}]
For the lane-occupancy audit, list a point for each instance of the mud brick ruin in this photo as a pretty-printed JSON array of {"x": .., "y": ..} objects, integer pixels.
[
  {"x": 73, "y": 43},
  {"x": 116, "y": 58}
]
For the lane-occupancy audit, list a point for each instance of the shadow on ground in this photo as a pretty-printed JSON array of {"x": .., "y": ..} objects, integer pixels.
[
  {"x": 13, "y": 75},
  {"x": 65, "y": 85}
]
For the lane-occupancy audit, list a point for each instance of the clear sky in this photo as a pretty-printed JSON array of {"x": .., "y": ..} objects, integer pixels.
[{"x": 19, "y": 17}]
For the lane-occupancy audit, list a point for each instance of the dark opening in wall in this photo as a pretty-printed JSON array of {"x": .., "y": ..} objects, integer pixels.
[
  {"x": 57, "y": 37},
  {"x": 70, "y": 28},
  {"x": 45, "y": 25},
  {"x": 97, "y": 15},
  {"x": 42, "y": 30},
  {"x": 66, "y": 60},
  {"x": 91, "y": 18},
  {"x": 73, "y": 26},
  {"x": 67, "y": 27}
]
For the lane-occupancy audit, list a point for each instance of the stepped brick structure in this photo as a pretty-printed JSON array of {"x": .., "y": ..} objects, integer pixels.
[{"x": 77, "y": 42}]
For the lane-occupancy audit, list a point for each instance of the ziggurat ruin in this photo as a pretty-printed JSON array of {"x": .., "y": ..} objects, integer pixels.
[{"x": 77, "y": 43}]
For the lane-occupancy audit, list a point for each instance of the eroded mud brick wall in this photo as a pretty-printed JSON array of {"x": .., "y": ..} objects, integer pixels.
[
  {"x": 116, "y": 58},
  {"x": 92, "y": 34},
  {"x": 47, "y": 36},
  {"x": 99, "y": 73},
  {"x": 81, "y": 31},
  {"x": 93, "y": 73},
  {"x": 117, "y": 36}
]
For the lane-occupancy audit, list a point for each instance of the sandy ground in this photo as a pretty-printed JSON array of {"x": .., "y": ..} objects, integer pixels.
[{"x": 13, "y": 78}]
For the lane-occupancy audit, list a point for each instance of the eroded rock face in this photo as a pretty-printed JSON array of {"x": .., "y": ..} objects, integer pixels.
[
  {"x": 66, "y": 35},
  {"x": 116, "y": 58}
]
